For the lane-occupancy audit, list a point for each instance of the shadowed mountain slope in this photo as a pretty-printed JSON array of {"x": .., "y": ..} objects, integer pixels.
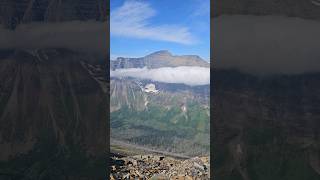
[{"x": 266, "y": 127}]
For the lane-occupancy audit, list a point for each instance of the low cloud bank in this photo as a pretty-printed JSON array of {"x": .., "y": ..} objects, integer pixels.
[
  {"x": 86, "y": 36},
  {"x": 266, "y": 44},
  {"x": 188, "y": 75}
]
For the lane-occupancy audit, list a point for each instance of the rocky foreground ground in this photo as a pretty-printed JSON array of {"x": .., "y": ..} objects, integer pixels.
[{"x": 157, "y": 167}]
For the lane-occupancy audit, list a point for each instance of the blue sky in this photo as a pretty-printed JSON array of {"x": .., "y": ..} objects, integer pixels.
[{"x": 140, "y": 27}]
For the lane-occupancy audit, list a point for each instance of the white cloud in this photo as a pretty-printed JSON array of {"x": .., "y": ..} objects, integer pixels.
[
  {"x": 87, "y": 36},
  {"x": 132, "y": 20},
  {"x": 267, "y": 44},
  {"x": 189, "y": 75}
]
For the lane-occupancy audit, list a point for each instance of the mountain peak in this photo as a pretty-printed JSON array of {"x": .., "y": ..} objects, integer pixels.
[
  {"x": 159, "y": 59},
  {"x": 161, "y": 53}
]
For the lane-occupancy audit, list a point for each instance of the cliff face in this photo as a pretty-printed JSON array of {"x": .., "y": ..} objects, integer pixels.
[
  {"x": 173, "y": 114},
  {"x": 131, "y": 93},
  {"x": 266, "y": 127},
  {"x": 157, "y": 60}
]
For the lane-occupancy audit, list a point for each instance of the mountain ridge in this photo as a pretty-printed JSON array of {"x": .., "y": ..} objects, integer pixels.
[
  {"x": 158, "y": 59},
  {"x": 173, "y": 113}
]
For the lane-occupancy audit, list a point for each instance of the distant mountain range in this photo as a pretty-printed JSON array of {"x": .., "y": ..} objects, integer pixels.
[
  {"x": 172, "y": 118},
  {"x": 158, "y": 59}
]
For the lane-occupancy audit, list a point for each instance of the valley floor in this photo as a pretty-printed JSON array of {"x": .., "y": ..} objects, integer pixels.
[{"x": 125, "y": 148}]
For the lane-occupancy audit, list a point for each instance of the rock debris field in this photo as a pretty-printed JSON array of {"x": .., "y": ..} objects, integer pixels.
[{"x": 155, "y": 167}]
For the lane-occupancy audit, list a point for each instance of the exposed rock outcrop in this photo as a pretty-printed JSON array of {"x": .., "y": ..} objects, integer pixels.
[
  {"x": 157, "y": 60},
  {"x": 160, "y": 167}
]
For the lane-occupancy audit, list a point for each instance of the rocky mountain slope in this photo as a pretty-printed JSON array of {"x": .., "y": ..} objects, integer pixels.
[
  {"x": 158, "y": 59},
  {"x": 159, "y": 167},
  {"x": 157, "y": 119},
  {"x": 165, "y": 117},
  {"x": 266, "y": 127},
  {"x": 131, "y": 92},
  {"x": 50, "y": 98}
]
